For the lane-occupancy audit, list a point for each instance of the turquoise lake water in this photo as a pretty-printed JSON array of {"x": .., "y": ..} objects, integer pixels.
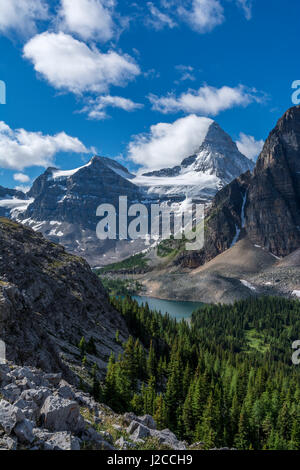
[{"x": 174, "y": 308}]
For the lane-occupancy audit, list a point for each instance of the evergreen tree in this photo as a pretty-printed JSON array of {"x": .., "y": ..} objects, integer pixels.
[{"x": 82, "y": 346}]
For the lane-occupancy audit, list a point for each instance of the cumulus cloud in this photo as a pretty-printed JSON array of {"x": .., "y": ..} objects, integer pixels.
[
  {"x": 202, "y": 15},
  {"x": 21, "y": 177},
  {"x": 246, "y": 5},
  {"x": 96, "y": 108},
  {"x": 21, "y": 149},
  {"x": 249, "y": 147},
  {"x": 69, "y": 64},
  {"x": 90, "y": 19},
  {"x": 207, "y": 100},
  {"x": 166, "y": 145},
  {"x": 21, "y": 16},
  {"x": 159, "y": 19}
]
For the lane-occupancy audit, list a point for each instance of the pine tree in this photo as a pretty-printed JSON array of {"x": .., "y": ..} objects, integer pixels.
[
  {"x": 118, "y": 337},
  {"x": 241, "y": 440},
  {"x": 149, "y": 396},
  {"x": 82, "y": 346},
  {"x": 151, "y": 362},
  {"x": 160, "y": 415}
]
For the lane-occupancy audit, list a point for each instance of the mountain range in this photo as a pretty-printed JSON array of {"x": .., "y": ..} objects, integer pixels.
[{"x": 62, "y": 204}]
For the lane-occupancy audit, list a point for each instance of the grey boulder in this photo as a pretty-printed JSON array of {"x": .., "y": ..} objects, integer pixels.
[
  {"x": 59, "y": 414},
  {"x": 23, "y": 431},
  {"x": 29, "y": 408},
  {"x": 168, "y": 438},
  {"x": 141, "y": 432},
  {"x": 62, "y": 441},
  {"x": 147, "y": 421},
  {"x": 10, "y": 416}
]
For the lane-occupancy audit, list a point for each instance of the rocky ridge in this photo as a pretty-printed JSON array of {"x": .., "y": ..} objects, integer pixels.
[{"x": 49, "y": 300}]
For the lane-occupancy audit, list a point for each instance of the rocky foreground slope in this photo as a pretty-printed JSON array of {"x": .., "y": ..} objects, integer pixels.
[
  {"x": 40, "y": 411},
  {"x": 49, "y": 300}
]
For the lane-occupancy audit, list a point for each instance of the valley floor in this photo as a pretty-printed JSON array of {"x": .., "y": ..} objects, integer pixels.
[{"x": 243, "y": 271}]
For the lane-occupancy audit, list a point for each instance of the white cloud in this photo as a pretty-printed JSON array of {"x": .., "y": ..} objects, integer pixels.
[
  {"x": 24, "y": 189},
  {"x": 90, "y": 19},
  {"x": 69, "y": 64},
  {"x": 96, "y": 108},
  {"x": 246, "y": 5},
  {"x": 21, "y": 15},
  {"x": 167, "y": 145},
  {"x": 249, "y": 147},
  {"x": 186, "y": 72},
  {"x": 207, "y": 100},
  {"x": 21, "y": 149},
  {"x": 159, "y": 19},
  {"x": 21, "y": 178},
  {"x": 202, "y": 15}
]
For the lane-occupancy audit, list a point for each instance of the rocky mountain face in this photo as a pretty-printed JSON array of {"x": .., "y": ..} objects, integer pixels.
[
  {"x": 264, "y": 205},
  {"x": 49, "y": 300},
  {"x": 224, "y": 223},
  {"x": 62, "y": 205},
  {"x": 73, "y": 196},
  {"x": 273, "y": 207},
  {"x": 6, "y": 193},
  {"x": 216, "y": 163}
]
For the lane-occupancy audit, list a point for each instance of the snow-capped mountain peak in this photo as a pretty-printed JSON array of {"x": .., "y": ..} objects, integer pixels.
[{"x": 215, "y": 163}]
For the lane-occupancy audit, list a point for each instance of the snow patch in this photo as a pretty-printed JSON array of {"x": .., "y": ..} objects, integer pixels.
[
  {"x": 120, "y": 172},
  {"x": 15, "y": 203},
  {"x": 296, "y": 293},
  {"x": 67, "y": 173},
  {"x": 247, "y": 284},
  {"x": 54, "y": 222},
  {"x": 38, "y": 226}
]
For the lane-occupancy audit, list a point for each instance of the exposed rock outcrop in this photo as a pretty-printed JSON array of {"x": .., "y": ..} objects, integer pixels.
[{"x": 273, "y": 207}]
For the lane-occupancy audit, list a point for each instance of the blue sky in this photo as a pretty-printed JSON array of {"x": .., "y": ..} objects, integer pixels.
[{"x": 132, "y": 80}]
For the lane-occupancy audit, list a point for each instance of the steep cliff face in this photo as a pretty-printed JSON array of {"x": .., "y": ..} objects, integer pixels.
[
  {"x": 273, "y": 207},
  {"x": 48, "y": 301},
  {"x": 264, "y": 205},
  {"x": 224, "y": 223}
]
